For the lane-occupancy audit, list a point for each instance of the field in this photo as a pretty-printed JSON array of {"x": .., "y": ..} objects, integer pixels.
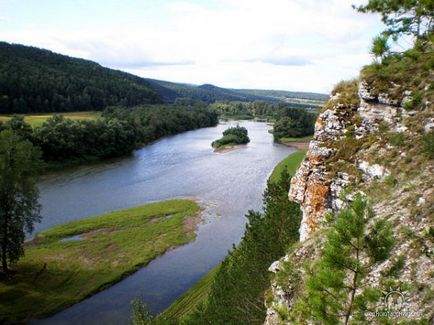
[
  {"x": 67, "y": 263},
  {"x": 185, "y": 305},
  {"x": 302, "y": 139},
  {"x": 36, "y": 120}
]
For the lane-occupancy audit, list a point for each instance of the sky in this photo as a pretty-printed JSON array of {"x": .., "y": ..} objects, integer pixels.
[{"x": 299, "y": 45}]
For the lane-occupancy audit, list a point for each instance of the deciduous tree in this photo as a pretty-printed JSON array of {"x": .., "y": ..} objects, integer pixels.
[{"x": 19, "y": 208}]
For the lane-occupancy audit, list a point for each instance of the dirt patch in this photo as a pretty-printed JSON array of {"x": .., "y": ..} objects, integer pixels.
[
  {"x": 35, "y": 241},
  {"x": 159, "y": 218},
  {"x": 110, "y": 248},
  {"x": 95, "y": 232},
  {"x": 56, "y": 258},
  {"x": 298, "y": 145},
  {"x": 190, "y": 223}
]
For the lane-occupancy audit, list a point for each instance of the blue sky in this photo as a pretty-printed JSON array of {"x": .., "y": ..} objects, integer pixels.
[{"x": 306, "y": 45}]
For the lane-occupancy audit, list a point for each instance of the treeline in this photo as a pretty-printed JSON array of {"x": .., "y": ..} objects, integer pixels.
[
  {"x": 207, "y": 93},
  {"x": 118, "y": 132},
  {"x": 289, "y": 121},
  {"x": 36, "y": 80},
  {"x": 237, "y": 294},
  {"x": 250, "y": 110},
  {"x": 293, "y": 123}
]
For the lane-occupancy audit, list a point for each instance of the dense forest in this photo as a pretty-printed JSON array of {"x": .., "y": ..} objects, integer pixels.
[
  {"x": 255, "y": 109},
  {"x": 37, "y": 80},
  {"x": 118, "y": 132},
  {"x": 293, "y": 123}
]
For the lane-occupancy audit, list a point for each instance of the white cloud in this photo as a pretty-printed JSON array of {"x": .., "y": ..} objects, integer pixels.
[{"x": 284, "y": 44}]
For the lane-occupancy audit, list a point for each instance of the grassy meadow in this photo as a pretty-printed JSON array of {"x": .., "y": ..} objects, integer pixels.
[
  {"x": 291, "y": 163},
  {"x": 67, "y": 263},
  {"x": 36, "y": 120},
  {"x": 301, "y": 139}
]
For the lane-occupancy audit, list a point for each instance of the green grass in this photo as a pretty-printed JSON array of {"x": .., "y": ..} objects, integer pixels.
[
  {"x": 36, "y": 120},
  {"x": 186, "y": 304},
  {"x": 302, "y": 139},
  {"x": 291, "y": 163},
  {"x": 55, "y": 273}
]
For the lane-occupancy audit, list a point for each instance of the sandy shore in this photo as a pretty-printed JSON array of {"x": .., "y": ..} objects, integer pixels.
[
  {"x": 298, "y": 145},
  {"x": 228, "y": 148}
]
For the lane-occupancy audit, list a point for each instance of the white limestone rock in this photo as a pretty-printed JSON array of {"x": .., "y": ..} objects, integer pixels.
[
  {"x": 365, "y": 93},
  {"x": 373, "y": 171},
  {"x": 274, "y": 267},
  {"x": 429, "y": 125},
  {"x": 384, "y": 98}
]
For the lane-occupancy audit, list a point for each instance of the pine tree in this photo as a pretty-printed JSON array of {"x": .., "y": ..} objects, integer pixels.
[
  {"x": 411, "y": 17},
  {"x": 333, "y": 288},
  {"x": 380, "y": 48}
]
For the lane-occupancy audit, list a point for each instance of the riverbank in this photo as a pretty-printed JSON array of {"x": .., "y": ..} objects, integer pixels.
[
  {"x": 299, "y": 143},
  {"x": 67, "y": 263},
  {"x": 291, "y": 164},
  {"x": 228, "y": 147},
  {"x": 177, "y": 166},
  {"x": 186, "y": 304}
]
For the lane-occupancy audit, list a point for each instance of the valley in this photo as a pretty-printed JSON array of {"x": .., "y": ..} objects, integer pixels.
[{"x": 192, "y": 170}]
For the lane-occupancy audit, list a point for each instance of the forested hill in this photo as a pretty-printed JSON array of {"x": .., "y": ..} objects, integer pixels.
[
  {"x": 208, "y": 93},
  {"x": 37, "y": 80}
]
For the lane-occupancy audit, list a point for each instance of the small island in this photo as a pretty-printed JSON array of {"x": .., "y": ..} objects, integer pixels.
[{"x": 232, "y": 137}]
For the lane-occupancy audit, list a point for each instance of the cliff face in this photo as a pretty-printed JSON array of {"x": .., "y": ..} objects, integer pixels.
[
  {"x": 313, "y": 186},
  {"x": 367, "y": 140}
]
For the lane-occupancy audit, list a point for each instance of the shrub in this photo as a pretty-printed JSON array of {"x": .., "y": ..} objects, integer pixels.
[
  {"x": 396, "y": 139},
  {"x": 415, "y": 101},
  {"x": 428, "y": 141}
]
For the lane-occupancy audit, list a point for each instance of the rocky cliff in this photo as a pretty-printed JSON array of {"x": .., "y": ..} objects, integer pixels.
[{"x": 368, "y": 139}]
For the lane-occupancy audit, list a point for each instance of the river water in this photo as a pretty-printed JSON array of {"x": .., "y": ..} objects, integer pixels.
[{"x": 226, "y": 184}]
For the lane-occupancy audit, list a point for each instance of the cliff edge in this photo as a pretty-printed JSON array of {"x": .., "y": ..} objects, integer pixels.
[{"x": 370, "y": 138}]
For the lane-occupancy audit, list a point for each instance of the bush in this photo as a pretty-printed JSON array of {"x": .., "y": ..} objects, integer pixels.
[{"x": 415, "y": 102}]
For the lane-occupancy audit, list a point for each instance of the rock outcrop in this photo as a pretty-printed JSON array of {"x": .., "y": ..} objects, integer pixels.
[{"x": 362, "y": 144}]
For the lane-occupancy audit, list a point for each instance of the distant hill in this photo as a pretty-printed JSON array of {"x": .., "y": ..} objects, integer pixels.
[
  {"x": 38, "y": 80},
  {"x": 208, "y": 93},
  {"x": 283, "y": 94}
]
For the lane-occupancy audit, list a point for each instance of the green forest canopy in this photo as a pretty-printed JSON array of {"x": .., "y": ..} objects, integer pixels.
[{"x": 37, "y": 80}]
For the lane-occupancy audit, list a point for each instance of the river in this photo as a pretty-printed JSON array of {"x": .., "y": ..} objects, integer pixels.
[{"x": 226, "y": 184}]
